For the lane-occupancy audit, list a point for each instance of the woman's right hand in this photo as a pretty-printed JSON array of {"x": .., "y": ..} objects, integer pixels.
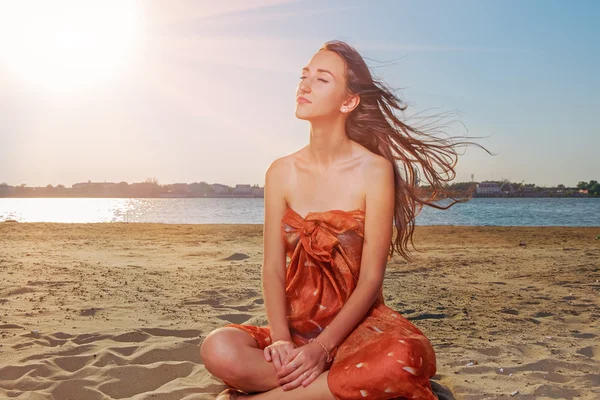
[{"x": 277, "y": 352}]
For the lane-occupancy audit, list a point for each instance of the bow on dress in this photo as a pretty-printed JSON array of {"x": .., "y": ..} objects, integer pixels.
[{"x": 322, "y": 272}]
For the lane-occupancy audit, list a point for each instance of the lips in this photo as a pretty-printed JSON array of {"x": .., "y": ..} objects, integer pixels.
[{"x": 302, "y": 100}]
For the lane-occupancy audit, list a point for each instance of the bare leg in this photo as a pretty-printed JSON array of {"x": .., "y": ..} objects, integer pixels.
[
  {"x": 317, "y": 390},
  {"x": 233, "y": 355}
]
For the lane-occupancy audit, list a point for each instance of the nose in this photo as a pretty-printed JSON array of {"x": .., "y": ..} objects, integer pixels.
[{"x": 304, "y": 86}]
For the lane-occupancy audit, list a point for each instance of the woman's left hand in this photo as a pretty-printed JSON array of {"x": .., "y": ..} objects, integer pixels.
[{"x": 302, "y": 366}]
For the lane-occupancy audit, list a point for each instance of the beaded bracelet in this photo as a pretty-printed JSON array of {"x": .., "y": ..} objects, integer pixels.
[{"x": 322, "y": 345}]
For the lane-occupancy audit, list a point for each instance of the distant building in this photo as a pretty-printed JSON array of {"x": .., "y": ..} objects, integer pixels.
[
  {"x": 95, "y": 187},
  {"x": 181, "y": 187},
  {"x": 506, "y": 187},
  {"x": 258, "y": 191},
  {"x": 527, "y": 188},
  {"x": 178, "y": 188},
  {"x": 487, "y": 188},
  {"x": 219, "y": 189},
  {"x": 242, "y": 189}
]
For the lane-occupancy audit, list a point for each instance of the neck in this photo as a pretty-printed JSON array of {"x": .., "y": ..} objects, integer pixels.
[{"x": 329, "y": 143}]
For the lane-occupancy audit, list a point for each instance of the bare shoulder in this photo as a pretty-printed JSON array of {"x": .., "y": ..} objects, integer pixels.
[
  {"x": 279, "y": 170},
  {"x": 373, "y": 167},
  {"x": 376, "y": 164}
]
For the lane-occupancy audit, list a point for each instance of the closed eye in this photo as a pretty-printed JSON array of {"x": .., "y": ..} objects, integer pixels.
[{"x": 320, "y": 79}]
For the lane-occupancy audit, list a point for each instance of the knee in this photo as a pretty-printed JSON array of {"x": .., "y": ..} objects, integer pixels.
[
  {"x": 410, "y": 357},
  {"x": 221, "y": 354}
]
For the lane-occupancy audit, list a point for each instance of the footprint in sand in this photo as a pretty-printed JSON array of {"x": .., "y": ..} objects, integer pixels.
[
  {"x": 555, "y": 392},
  {"x": 11, "y": 326},
  {"x": 541, "y": 314},
  {"x": 580, "y": 335},
  {"x": 235, "y": 318},
  {"x": 427, "y": 316},
  {"x": 592, "y": 352},
  {"x": 236, "y": 257},
  {"x": 89, "y": 312}
]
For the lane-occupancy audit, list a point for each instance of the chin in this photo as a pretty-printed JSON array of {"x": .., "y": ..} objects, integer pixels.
[{"x": 302, "y": 115}]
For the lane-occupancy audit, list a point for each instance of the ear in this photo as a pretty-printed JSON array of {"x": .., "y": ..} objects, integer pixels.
[{"x": 351, "y": 102}]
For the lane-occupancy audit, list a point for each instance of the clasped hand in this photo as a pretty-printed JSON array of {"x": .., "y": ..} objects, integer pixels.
[{"x": 296, "y": 365}]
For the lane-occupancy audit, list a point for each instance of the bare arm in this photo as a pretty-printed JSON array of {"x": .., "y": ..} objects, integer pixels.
[
  {"x": 377, "y": 238},
  {"x": 273, "y": 268}
]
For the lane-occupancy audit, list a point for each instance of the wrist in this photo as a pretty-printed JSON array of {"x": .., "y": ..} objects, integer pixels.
[
  {"x": 283, "y": 337},
  {"x": 328, "y": 353},
  {"x": 326, "y": 343}
]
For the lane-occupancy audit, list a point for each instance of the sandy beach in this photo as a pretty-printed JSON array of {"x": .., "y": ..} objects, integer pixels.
[{"x": 118, "y": 311}]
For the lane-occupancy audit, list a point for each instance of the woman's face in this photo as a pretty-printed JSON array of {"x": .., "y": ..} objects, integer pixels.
[{"x": 323, "y": 84}]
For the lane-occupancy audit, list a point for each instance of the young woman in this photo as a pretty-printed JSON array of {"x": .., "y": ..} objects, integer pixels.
[{"x": 331, "y": 208}]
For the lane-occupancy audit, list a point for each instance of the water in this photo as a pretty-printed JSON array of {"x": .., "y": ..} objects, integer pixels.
[{"x": 477, "y": 211}]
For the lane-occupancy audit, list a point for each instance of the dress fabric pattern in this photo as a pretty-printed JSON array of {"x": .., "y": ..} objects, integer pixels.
[{"x": 385, "y": 356}]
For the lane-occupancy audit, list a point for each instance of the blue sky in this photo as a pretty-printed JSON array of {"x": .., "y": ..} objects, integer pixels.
[{"x": 205, "y": 92}]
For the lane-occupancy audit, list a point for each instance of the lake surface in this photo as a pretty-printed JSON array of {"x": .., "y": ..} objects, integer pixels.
[{"x": 477, "y": 211}]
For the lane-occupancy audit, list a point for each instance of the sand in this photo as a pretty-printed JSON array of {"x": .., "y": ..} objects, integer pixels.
[{"x": 114, "y": 311}]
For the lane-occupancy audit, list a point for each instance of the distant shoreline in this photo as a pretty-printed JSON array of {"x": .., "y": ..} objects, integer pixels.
[
  {"x": 541, "y": 211},
  {"x": 169, "y": 196},
  {"x": 499, "y": 196}
]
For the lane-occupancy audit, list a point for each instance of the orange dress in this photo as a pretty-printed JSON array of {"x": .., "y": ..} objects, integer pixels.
[{"x": 385, "y": 356}]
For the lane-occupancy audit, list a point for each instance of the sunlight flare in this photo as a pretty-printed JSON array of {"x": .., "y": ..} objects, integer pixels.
[{"x": 67, "y": 44}]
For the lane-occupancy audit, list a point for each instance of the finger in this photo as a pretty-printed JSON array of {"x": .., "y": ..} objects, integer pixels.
[
  {"x": 296, "y": 382},
  {"x": 294, "y": 375},
  {"x": 286, "y": 365},
  {"x": 310, "y": 379},
  {"x": 286, "y": 358},
  {"x": 276, "y": 360},
  {"x": 267, "y": 353},
  {"x": 287, "y": 368}
]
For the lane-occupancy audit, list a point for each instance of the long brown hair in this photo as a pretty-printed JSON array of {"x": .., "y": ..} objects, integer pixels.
[{"x": 373, "y": 124}]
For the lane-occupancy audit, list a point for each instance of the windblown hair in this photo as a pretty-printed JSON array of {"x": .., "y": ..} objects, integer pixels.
[{"x": 373, "y": 124}]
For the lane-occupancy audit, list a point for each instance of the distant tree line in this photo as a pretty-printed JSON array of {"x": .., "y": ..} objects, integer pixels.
[
  {"x": 147, "y": 189},
  {"x": 592, "y": 187}
]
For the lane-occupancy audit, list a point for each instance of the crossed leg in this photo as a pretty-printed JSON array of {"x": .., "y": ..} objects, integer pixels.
[{"x": 233, "y": 355}]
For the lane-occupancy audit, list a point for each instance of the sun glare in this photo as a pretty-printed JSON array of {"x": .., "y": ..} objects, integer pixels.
[{"x": 66, "y": 44}]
